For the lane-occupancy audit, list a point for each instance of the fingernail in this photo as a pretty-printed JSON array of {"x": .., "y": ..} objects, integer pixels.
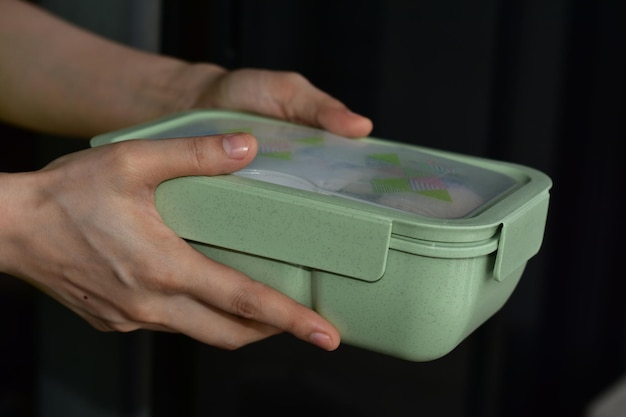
[
  {"x": 236, "y": 145},
  {"x": 320, "y": 339}
]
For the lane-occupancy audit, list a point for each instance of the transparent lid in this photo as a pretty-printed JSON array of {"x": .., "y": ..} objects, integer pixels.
[{"x": 382, "y": 173}]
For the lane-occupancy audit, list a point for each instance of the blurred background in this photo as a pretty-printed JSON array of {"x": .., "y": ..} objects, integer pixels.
[{"x": 535, "y": 82}]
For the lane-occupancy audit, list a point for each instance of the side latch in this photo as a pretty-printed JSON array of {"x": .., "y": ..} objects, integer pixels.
[{"x": 521, "y": 236}]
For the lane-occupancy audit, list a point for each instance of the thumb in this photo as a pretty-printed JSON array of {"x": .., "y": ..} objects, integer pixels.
[{"x": 164, "y": 159}]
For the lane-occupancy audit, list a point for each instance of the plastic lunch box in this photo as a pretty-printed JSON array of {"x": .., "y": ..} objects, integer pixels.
[{"x": 406, "y": 250}]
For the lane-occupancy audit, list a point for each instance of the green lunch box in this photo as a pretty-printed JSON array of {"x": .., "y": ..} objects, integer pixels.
[{"x": 405, "y": 249}]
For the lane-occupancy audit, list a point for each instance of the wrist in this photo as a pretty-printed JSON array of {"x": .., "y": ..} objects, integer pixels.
[{"x": 11, "y": 207}]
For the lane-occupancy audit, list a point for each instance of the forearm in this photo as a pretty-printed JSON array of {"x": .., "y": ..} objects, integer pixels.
[{"x": 61, "y": 79}]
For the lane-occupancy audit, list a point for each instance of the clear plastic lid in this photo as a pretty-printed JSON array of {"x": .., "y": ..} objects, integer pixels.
[{"x": 382, "y": 173}]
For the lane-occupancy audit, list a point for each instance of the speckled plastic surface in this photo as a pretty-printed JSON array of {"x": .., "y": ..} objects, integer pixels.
[{"x": 379, "y": 240}]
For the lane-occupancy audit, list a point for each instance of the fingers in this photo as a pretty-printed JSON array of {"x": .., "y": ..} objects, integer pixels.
[
  {"x": 185, "y": 315},
  {"x": 285, "y": 95},
  {"x": 340, "y": 120},
  {"x": 213, "y": 326},
  {"x": 206, "y": 300},
  {"x": 190, "y": 294},
  {"x": 158, "y": 160},
  {"x": 253, "y": 308},
  {"x": 196, "y": 296},
  {"x": 305, "y": 103}
]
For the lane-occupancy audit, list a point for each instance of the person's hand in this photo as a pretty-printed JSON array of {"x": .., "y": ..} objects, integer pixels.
[
  {"x": 279, "y": 94},
  {"x": 85, "y": 231},
  {"x": 66, "y": 81}
]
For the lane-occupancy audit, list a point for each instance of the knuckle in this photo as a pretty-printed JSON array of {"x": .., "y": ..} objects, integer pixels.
[
  {"x": 292, "y": 323},
  {"x": 125, "y": 163},
  {"x": 292, "y": 83},
  {"x": 294, "y": 78},
  {"x": 247, "y": 302},
  {"x": 197, "y": 151},
  {"x": 140, "y": 312},
  {"x": 160, "y": 278},
  {"x": 123, "y": 156}
]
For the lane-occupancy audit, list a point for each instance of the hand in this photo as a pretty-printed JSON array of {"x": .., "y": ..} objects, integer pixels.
[
  {"x": 279, "y": 94},
  {"x": 73, "y": 84},
  {"x": 85, "y": 230}
]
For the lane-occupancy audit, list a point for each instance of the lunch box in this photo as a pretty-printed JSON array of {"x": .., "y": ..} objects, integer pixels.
[{"x": 405, "y": 249}]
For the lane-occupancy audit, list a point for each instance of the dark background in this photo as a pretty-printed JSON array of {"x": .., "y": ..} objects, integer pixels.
[{"x": 540, "y": 83}]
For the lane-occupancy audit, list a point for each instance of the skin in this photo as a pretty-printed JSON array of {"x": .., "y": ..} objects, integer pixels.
[{"x": 84, "y": 229}]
